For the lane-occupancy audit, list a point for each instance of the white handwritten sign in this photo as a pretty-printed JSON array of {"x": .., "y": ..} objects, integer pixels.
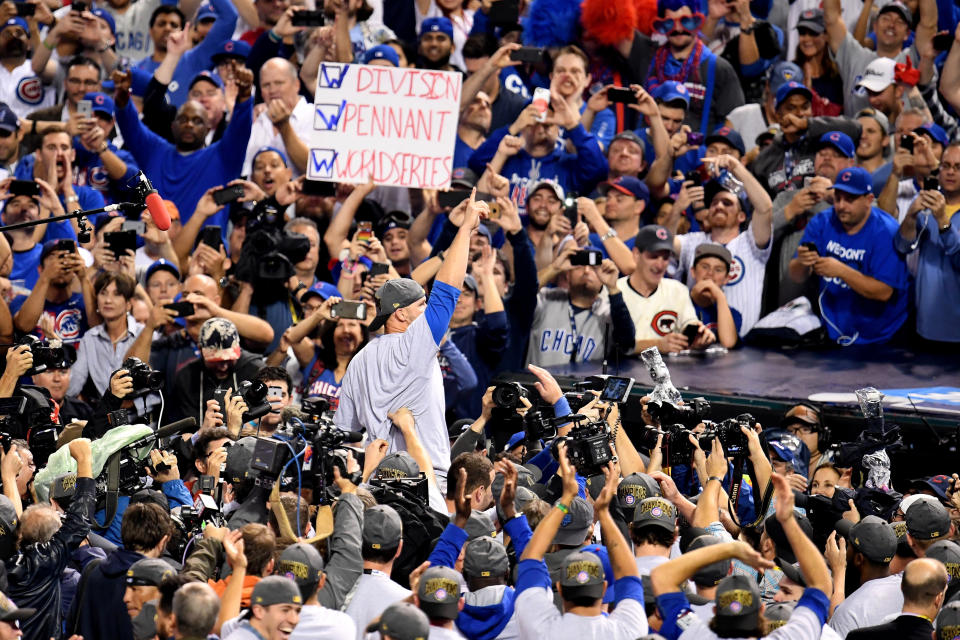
[{"x": 397, "y": 125}]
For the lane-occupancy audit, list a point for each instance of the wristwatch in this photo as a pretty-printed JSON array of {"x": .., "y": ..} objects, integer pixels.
[
  {"x": 611, "y": 233},
  {"x": 945, "y": 228}
]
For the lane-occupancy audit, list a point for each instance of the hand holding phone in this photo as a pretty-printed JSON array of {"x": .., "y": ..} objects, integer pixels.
[{"x": 228, "y": 194}]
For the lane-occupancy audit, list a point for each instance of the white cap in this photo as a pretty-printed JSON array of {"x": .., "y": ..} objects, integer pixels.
[
  {"x": 907, "y": 502},
  {"x": 878, "y": 75}
]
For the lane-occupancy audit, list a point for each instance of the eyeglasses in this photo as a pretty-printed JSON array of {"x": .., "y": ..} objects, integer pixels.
[
  {"x": 688, "y": 23},
  {"x": 947, "y": 166},
  {"x": 5, "y": 133},
  {"x": 801, "y": 429}
]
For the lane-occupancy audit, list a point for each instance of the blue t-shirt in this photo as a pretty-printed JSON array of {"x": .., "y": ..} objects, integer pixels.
[
  {"x": 69, "y": 318},
  {"x": 511, "y": 81},
  {"x": 708, "y": 316},
  {"x": 870, "y": 251},
  {"x": 318, "y": 381},
  {"x": 25, "y": 266},
  {"x": 597, "y": 243}
]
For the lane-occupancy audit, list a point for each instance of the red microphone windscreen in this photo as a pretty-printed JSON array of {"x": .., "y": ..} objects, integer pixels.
[{"x": 158, "y": 211}]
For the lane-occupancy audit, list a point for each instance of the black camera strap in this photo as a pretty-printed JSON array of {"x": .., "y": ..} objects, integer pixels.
[
  {"x": 113, "y": 492},
  {"x": 734, "y": 496}
]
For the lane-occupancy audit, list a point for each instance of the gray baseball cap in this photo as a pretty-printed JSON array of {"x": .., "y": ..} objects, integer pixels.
[
  {"x": 303, "y": 564},
  {"x": 402, "y": 621},
  {"x": 877, "y": 115},
  {"x": 439, "y": 593},
  {"x": 392, "y": 295},
  {"x": 274, "y": 590},
  {"x": 655, "y": 512},
  {"x": 581, "y": 575},
  {"x": 63, "y": 486},
  {"x": 478, "y": 525},
  {"x": 636, "y": 488},
  {"x": 382, "y": 527},
  {"x": 398, "y": 464},
  {"x": 574, "y": 526},
  {"x": 148, "y": 572},
  {"x": 484, "y": 557}
]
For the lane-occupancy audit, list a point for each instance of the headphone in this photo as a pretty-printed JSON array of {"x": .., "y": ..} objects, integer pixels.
[{"x": 823, "y": 430}]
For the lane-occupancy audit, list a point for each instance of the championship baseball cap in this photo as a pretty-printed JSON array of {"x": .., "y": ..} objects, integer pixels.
[
  {"x": 878, "y": 75},
  {"x": 947, "y": 552},
  {"x": 392, "y": 295},
  {"x": 104, "y": 15},
  {"x": 629, "y": 136},
  {"x": 10, "y": 611},
  {"x": 636, "y": 488},
  {"x": 629, "y": 185},
  {"x": 874, "y": 539},
  {"x": 812, "y": 19},
  {"x": 575, "y": 524},
  {"x": 231, "y": 50},
  {"x": 655, "y": 512},
  {"x": 653, "y": 237},
  {"x": 927, "y": 520},
  {"x": 899, "y": 8},
  {"x": 546, "y": 184},
  {"x": 672, "y": 91},
  {"x": 8, "y": 119},
  {"x": 877, "y": 115},
  {"x": 738, "y": 603},
  {"x": 16, "y": 22},
  {"x": 303, "y": 564},
  {"x": 102, "y": 103},
  {"x": 581, "y": 576},
  {"x": 947, "y": 624},
  {"x": 935, "y": 131},
  {"x": 778, "y": 614},
  {"x": 219, "y": 340},
  {"x": 381, "y": 52},
  {"x": 206, "y": 12},
  {"x": 274, "y": 590},
  {"x": 782, "y": 73},
  {"x": 479, "y": 524},
  {"x": 484, "y": 557},
  {"x": 398, "y": 464},
  {"x": 437, "y": 24},
  {"x": 791, "y": 570},
  {"x": 148, "y": 572},
  {"x": 728, "y": 135},
  {"x": 839, "y": 141},
  {"x": 161, "y": 265},
  {"x": 776, "y": 534},
  {"x": 855, "y": 181},
  {"x": 712, "y": 250},
  {"x": 401, "y": 621},
  {"x": 711, "y": 574},
  {"x": 63, "y": 488},
  {"x": 787, "y": 89},
  {"x": 8, "y": 527},
  {"x": 439, "y": 593},
  {"x": 322, "y": 289},
  {"x": 207, "y": 76},
  {"x": 382, "y": 527}
]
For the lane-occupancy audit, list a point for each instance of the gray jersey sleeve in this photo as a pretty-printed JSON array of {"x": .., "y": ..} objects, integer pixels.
[{"x": 345, "y": 563}]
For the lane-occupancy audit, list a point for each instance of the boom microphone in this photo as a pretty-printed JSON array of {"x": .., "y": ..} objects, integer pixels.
[
  {"x": 174, "y": 428},
  {"x": 154, "y": 203}
]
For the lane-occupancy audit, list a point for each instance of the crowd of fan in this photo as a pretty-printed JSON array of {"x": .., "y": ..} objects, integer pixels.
[{"x": 706, "y": 174}]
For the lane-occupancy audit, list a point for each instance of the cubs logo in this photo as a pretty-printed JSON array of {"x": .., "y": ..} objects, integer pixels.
[
  {"x": 98, "y": 178},
  {"x": 662, "y": 233},
  {"x": 735, "y": 607},
  {"x": 835, "y": 137},
  {"x": 228, "y": 45},
  {"x": 629, "y": 500},
  {"x": 30, "y": 90},
  {"x": 441, "y": 594},
  {"x": 664, "y": 322},
  {"x": 67, "y": 324},
  {"x": 845, "y": 176},
  {"x": 98, "y": 99},
  {"x": 173, "y": 86},
  {"x": 737, "y": 269},
  {"x": 582, "y": 577},
  {"x": 656, "y": 512}
]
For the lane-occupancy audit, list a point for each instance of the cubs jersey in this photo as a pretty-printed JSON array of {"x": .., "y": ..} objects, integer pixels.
[
  {"x": 23, "y": 91},
  {"x": 664, "y": 311}
]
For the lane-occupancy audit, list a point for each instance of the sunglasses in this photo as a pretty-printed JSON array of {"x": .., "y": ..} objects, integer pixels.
[
  {"x": 687, "y": 23},
  {"x": 5, "y": 133}
]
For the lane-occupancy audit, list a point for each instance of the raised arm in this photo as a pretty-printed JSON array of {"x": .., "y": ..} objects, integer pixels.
[
  {"x": 669, "y": 576},
  {"x": 833, "y": 21},
  {"x": 335, "y": 236},
  {"x": 454, "y": 266},
  {"x": 950, "y": 75},
  {"x": 812, "y": 565},
  {"x": 621, "y": 558},
  {"x": 544, "y": 533}
]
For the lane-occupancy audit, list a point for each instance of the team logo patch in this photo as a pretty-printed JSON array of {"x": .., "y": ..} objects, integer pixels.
[
  {"x": 67, "y": 324},
  {"x": 737, "y": 269},
  {"x": 835, "y": 137},
  {"x": 664, "y": 322},
  {"x": 582, "y": 577},
  {"x": 98, "y": 100},
  {"x": 30, "y": 90},
  {"x": 289, "y": 574},
  {"x": 845, "y": 177},
  {"x": 228, "y": 46},
  {"x": 662, "y": 233},
  {"x": 441, "y": 594},
  {"x": 656, "y": 512},
  {"x": 735, "y": 607},
  {"x": 629, "y": 500}
]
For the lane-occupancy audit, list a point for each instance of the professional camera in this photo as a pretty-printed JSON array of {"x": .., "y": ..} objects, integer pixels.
[
  {"x": 689, "y": 415},
  {"x": 145, "y": 378},
  {"x": 588, "y": 445},
  {"x": 189, "y": 523},
  {"x": 255, "y": 395},
  {"x": 269, "y": 253},
  {"x": 507, "y": 395},
  {"x": 27, "y": 415},
  {"x": 47, "y": 354},
  {"x": 733, "y": 440}
]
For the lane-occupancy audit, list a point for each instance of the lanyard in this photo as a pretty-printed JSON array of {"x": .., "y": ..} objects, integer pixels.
[{"x": 573, "y": 329}]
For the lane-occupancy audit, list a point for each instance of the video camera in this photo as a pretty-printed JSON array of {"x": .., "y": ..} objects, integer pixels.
[
  {"x": 588, "y": 445},
  {"x": 28, "y": 414},
  {"x": 676, "y": 438},
  {"x": 269, "y": 253},
  {"x": 47, "y": 354}
]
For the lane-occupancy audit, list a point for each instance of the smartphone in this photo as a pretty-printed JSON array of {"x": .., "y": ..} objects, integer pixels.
[
  {"x": 541, "y": 100},
  {"x": 183, "y": 309},
  {"x": 943, "y": 41},
  {"x": 622, "y": 95},
  {"x": 79, "y": 5},
  {"x": 694, "y": 138},
  {"x": 503, "y": 12},
  {"x": 378, "y": 269},
  {"x": 616, "y": 389},
  {"x": 690, "y": 331},
  {"x": 24, "y": 188},
  {"x": 351, "y": 310},
  {"x": 139, "y": 227},
  {"x": 220, "y": 395},
  {"x": 212, "y": 236},
  {"x": 931, "y": 183},
  {"x": 906, "y": 142},
  {"x": 364, "y": 231},
  {"x": 27, "y": 10},
  {"x": 85, "y": 108},
  {"x": 810, "y": 246},
  {"x": 65, "y": 244},
  {"x": 698, "y": 176},
  {"x": 307, "y": 18},
  {"x": 275, "y": 392},
  {"x": 452, "y": 198},
  {"x": 586, "y": 258},
  {"x": 572, "y": 213},
  {"x": 320, "y": 188},
  {"x": 121, "y": 241},
  {"x": 228, "y": 194},
  {"x": 530, "y": 55},
  {"x": 495, "y": 211}
]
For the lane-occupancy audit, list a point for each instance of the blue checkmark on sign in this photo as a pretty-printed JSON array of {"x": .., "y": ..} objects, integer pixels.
[
  {"x": 321, "y": 163},
  {"x": 331, "y": 76},
  {"x": 328, "y": 116}
]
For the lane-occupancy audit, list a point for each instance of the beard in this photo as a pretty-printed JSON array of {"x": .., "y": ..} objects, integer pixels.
[
  {"x": 536, "y": 225},
  {"x": 426, "y": 63},
  {"x": 13, "y": 49}
]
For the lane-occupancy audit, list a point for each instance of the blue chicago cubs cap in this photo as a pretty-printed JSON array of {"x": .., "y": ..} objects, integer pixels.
[
  {"x": 438, "y": 24},
  {"x": 788, "y": 89},
  {"x": 628, "y": 185},
  {"x": 206, "y": 12},
  {"x": 101, "y": 102},
  {"x": 104, "y": 15},
  {"x": 728, "y": 135},
  {"x": 782, "y": 73},
  {"x": 935, "y": 131},
  {"x": 670, "y": 91},
  {"x": 17, "y": 22},
  {"x": 839, "y": 141},
  {"x": 212, "y": 78},
  {"x": 237, "y": 49},
  {"x": 855, "y": 181},
  {"x": 381, "y": 52},
  {"x": 8, "y": 119}
]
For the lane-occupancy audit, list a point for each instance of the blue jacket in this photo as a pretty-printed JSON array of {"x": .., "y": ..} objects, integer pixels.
[
  {"x": 88, "y": 199},
  {"x": 185, "y": 178},
  {"x": 577, "y": 173},
  {"x": 198, "y": 58},
  {"x": 102, "y": 613},
  {"x": 483, "y": 344},
  {"x": 177, "y": 495}
]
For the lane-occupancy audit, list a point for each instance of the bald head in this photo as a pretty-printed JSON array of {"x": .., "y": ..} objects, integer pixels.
[
  {"x": 924, "y": 581},
  {"x": 190, "y": 127},
  {"x": 279, "y": 81}
]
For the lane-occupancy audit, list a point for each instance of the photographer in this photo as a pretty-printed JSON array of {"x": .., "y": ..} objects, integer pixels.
[
  {"x": 279, "y": 385},
  {"x": 24, "y": 244},
  {"x": 45, "y": 547},
  {"x": 56, "y": 380}
]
